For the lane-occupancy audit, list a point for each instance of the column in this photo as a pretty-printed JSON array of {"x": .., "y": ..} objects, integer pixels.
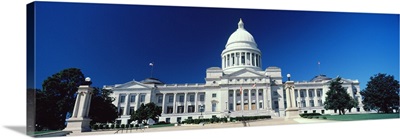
[
  {"x": 251, "y": 60},
  {"x": 185, "y": 103},
  {"x": 222, "y": 62},
  {"x": 195, "y": 103},
  {"x": 245, "y": 59},
  {"x": 126, "y": 105},
  {"x": 249, "y": 95},
  {"x": 163, "y": 104},
  {"x": 256, "y": 60},
  {"x": 77, "y": 102},
  {"x": 269, "y": 101},
  {"x": 242, "y": 99},
  {"x": 83, "y": 105},
  {"x": 174, "y": 104},
  {"x": 137, "y": 100},
  {"x": 240, "y": 63},
  {"x": 307, "y": 99},
  {"x": 257, "y": 101},
  {"x": 315, "y": 98}
]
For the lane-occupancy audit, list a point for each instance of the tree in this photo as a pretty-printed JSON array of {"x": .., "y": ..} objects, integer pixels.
[
  {"x": 57, "y": 98},
  {"x": 144, "y": 112},
  {"x": 101, "y": 108},
  {"x": 382, "y": 93},
  {"x": 337, "y": 97}
]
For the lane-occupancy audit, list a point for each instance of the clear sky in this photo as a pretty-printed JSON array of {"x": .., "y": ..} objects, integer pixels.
[{"x": 114, "y": 44}]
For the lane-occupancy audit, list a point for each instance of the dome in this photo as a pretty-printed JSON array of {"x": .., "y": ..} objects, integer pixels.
[
  {"x": 241, "y": 36},
  {"x": 320, "y": 78},
  {"x": 151, "y": 81}
]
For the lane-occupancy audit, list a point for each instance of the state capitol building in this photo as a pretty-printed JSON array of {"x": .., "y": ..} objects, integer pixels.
[{"x": 239, "y": 87}]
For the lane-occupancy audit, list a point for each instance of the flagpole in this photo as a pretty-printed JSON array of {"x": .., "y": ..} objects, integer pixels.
[
  {"x": 152, "y": 67},
  {"x": 319, "y": 68}
]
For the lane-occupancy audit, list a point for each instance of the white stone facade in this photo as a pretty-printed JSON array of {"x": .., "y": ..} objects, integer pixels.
[{"x": 239, "y": 87}]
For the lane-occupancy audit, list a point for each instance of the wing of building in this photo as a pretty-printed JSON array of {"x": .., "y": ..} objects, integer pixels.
[{"x": 240, "y": 87}]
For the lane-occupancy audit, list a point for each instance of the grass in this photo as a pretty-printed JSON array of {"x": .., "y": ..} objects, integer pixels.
[
  {"x": 42, "y": 132},
  {"x": 354, "y": 117},
  {"x": 161, "y": 125}
]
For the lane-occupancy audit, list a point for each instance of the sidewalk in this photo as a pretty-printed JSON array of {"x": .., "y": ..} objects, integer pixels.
[{"x": 273, "y": 121}]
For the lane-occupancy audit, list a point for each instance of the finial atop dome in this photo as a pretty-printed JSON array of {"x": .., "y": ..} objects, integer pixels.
[{"x": 241, "y": 24}]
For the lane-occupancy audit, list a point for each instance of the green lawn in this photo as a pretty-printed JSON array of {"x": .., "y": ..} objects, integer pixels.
[
  {"x": 353, "y": 117},
  {"x": 161, "y": 125},
  {"x": 41, "y": 132}
]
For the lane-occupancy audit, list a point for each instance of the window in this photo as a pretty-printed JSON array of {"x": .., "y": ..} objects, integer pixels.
[
  {"x": 284, "y": 95},
  {"x": 214, "y": 95},
  {"x": 133, "y": 98},
  {"x": 121, "y": 111},
  {"x": 231, "y": 106},
  {"x": 260, "y": 93},
  {"x": 310, "y": 93},
  {"x": 230, "y": 94},
  {"x": 180, "y": 109},
  {"x": 160, "y": 99},
  {"x": 358, "y": 109},
  {"x": 322, "y": 111},
  {"x": 334, "y": 110},
  {"x": 319, "y": 102},
  {"x": 190, "y": 108},
  {"x": 170, "y": 99},
  {"x": 201, "y": 97},
  {"x": 170, "y": 109},
  {"x": 131, "y": 110},
  {"x": 303, "y": 103},
  {"x": 122, "y": 99},
  {"x": 301, "y": 94},
  {"x": 311, "y": 103},
  {"x": 275, "y": 93},
  {"x": 260, "y": 105},
  {"x": 142, "y": 98},
  {"x": 214, "y": 107},
  {"x": 319, "y": 93},
  {"x": 253, "y": 94},
  {"x": 238, "y": 94},
  {"x": 191, "y": 98},
  {"x": 314, "y": 111},
  {"x": 245, "y": 94},
  {"x": 276, "y": 104},
  {"x": 305, "y": 111},
  {"x": 181, "y": 98},
  {"x": 167, "y": 120}
]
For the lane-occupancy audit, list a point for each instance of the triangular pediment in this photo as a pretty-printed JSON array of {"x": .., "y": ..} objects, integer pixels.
[
  {"x": 132, "y": 85},
  {"x": 245, "y": 73}
]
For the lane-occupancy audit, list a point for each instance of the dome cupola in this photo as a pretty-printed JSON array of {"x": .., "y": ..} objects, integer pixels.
[{"x": 241, "y": 51}]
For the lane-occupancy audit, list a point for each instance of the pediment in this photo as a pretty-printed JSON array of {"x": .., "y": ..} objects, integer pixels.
[
  {"x": 245, "y": 73},
  {"x": 132, "y": 85}
]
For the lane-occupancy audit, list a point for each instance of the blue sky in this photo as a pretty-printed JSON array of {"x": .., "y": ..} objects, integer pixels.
[{"x": 114, "y": 44}]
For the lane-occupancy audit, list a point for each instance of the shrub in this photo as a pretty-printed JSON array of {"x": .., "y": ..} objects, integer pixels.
[
  {"x": 317, "y": 117},
  {"x": 112, "y": 126},
  {"x": 100, "y": 126},
  {"x": 95, "y": 127},
  {"x": 122, "y": 125},
  {"x": 309, "y": 114},
  {"x": 323, "y": 117},
  {"x": 117, "y": 126},
  {"x": 106, "y": 127}
]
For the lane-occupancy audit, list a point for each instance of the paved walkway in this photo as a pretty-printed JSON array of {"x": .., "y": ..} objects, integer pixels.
[{"x": 274, "y": 121}]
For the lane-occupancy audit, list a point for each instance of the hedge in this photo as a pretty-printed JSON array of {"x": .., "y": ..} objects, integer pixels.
[
  {"x": 305, "y": 115},
  {"x": 217, "y": 120}
]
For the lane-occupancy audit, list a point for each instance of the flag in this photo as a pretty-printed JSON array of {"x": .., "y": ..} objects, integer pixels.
[
  {"x": 151, "y": 64},
  {"x": 241, "y": 90},
  {"x": 254, "y": 85}
]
